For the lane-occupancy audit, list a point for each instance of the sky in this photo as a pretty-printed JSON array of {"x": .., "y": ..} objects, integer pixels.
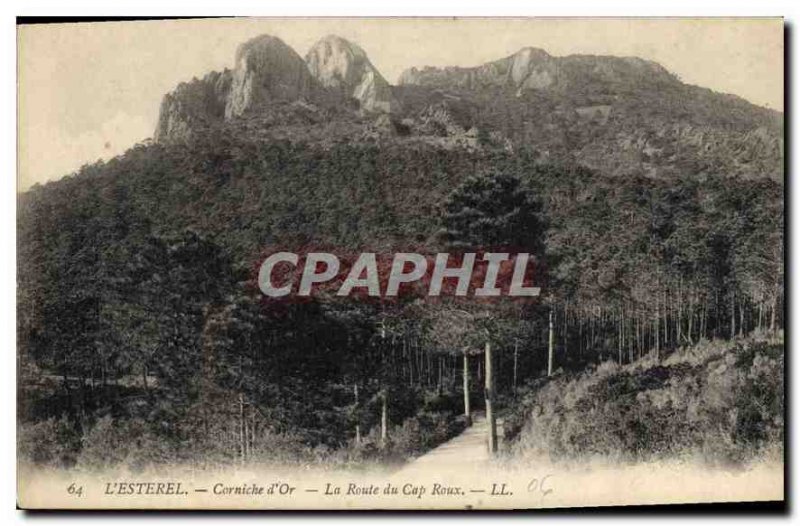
[{"x": 89, "y": 91}]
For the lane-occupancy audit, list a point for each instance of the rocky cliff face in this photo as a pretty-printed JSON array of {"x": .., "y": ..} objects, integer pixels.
[
  {"x": 618, "y": 115},
  {"x": 530, "y": 66},
  {"x": 267, "y": 70},
  {"x": 534, "y": 69},
  {"x": 192, "y": 104},
  {"x": 344, "y": 67}
]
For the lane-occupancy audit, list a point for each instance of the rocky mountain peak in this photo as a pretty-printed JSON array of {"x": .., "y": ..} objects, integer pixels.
[
  {"x": 267, "y": 70},
  {"x": 343, "y": 66},
  {"x": 606, "y": 104},
  {"x": 532, "y": 68},
  {"x": 193, "y": 104}
]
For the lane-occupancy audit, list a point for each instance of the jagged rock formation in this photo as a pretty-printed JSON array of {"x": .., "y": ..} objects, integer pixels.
[
  {"x": 267, "y": 70},
  {"x": 437, "y": 120},
  {"x": 617, "y": 115},
  {"x": 344, "y": 67},
  {"x": 534, "y": 69}
]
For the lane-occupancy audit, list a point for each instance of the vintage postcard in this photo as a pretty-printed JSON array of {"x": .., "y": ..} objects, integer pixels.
[{"x": 400, "y": 263}]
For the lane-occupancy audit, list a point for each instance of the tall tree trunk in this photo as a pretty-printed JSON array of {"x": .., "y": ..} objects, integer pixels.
[
  {"x": 384, "y": 393},
  {"x": 248, "y": 431},
  {"x": 491, "y": 418},
  {"x": 384, "y": 419},
  {"x": 550, "y": 345},
  {"x": 565, "y": 333},
  {"x": 358, "y": 423},
  {"x": 656, "y": 333},
  {"x": 144, "y": 380},
  {"x": 704, "y": 321},
  {"x": 467, "y": 412},
  {"x": 772, "y": 314},
  {"x": 741, "y": 318},
  {"x": 241, "y": 429},
  {"x": 253, "y": 433},
  {"x": 410, "y": 361},
  {"x": 631, "y": 339},
  {"x": 666, "y": 318},
  {"x": 516, "y": 353},
  {"x": 439, "y": 386},
  {"x": 679, "y": 321},
  {"x": 620, "y": 339}
]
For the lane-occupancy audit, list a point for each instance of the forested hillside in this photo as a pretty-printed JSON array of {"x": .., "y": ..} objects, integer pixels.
[
  {"x": 164, "y": 241},
  {"x": 142, "y": 337},
  {"x": 618, "y": 129}
]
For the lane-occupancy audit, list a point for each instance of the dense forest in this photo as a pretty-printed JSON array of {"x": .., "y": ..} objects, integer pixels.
[{"x": 142, "y": 337}]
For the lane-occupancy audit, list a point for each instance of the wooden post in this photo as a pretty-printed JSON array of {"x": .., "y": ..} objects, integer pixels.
[
  {"x": 467, "y": 413},
  {"x": 550, "y": 344},
  {"x": 491, "y": 418}
]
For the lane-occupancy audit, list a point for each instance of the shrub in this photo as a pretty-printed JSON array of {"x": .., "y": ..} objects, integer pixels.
[
  {"x": 52, "y": 442},
  {"x": 113, "y": 443},
  {"x": 721, "y": 401}
]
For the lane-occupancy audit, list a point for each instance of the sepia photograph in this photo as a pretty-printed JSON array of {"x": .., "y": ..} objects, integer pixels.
[{"x": 400, "y": 263}]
